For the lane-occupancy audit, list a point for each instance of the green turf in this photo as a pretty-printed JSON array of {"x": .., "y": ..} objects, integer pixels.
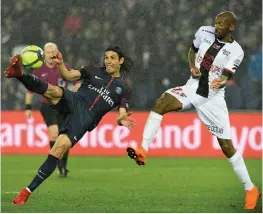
[{"x": 118, "y": 185}]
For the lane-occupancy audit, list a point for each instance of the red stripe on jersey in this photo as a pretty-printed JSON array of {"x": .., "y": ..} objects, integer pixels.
[
  {"x": 91, "y": 107},
  {"x": 97, "y": 98},
  {"x": 177, "y": 89},
  {"x": 228, "y": 70}
]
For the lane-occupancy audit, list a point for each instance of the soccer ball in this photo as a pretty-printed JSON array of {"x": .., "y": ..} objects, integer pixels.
[{"x": 32, "y": 57}]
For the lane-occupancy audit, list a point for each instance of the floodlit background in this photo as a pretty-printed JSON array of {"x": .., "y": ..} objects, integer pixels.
[
  {"x": 186, "y": 170},
  {"x": 157, "y": 34}
]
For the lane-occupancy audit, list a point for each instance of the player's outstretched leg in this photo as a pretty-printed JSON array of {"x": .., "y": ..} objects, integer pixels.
[
  {"x": 31, "y": 82},
  {"x": 240, "y": 169},
  {"x": 166, "y": 103},
  {"x": 62, "y": 145},
  {"x": 62, "y": 164},
  {"x": 14, "y": 68}
]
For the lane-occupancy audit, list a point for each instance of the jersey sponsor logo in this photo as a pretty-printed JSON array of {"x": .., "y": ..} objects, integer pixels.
[
  {"x": 225, "y": 52},
  {"x": 98, "y": 78},
  {"x": 104, "y": 93},
  {"x": 209, "y": 57},
  {"x": 207, "y": 31},
  {"x": 205, "y": 68},
  {"x": 215, "y": 129},
  {"x": 206, "y": 63},
  {"x": 213, "y": 69},
  {"x": 118, "y": 90}
]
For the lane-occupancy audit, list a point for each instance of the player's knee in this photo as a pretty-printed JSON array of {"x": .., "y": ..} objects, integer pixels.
[
  {"x": 56, "y": 92},
  {"x": 53, "y": 132},
  {"x": 53, "y": 136},
  {"x": 160, "y": 106},
  {"x": 166, "y": 103},
  {"x": 53, "y": 92},
  {"x": 61, "y": 146},
  {"x": 227, "y": 147}
]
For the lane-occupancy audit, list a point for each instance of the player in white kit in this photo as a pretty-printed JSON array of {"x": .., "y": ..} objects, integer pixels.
[{"x": 213, "y": 58}]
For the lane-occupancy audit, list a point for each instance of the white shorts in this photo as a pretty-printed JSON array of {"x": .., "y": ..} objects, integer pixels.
[{"x": 212, "y": 112}]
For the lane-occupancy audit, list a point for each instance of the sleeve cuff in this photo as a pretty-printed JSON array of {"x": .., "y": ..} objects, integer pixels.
[
  {"x": 194, "y": 48},
  {"x": 228, "y": 73}
]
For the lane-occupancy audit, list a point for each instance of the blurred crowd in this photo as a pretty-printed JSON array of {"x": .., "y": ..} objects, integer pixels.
[{"x": 157, "y": 34}]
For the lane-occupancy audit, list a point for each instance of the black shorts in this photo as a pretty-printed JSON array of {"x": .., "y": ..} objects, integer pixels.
[
  {"x": 78, "y": 118},
  {"x": 50, "y": 115}
]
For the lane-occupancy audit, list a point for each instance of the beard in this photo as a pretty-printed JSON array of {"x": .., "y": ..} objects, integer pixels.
[{"x": 220, "y": 35}]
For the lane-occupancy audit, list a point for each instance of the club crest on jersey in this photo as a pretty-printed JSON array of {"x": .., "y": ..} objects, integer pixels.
[
  {"x": 61, "y": 82},
  {"x": 118, "y": 90},
  {"x": 225, "y": 52},
  {"x": 216, "y": 46}
]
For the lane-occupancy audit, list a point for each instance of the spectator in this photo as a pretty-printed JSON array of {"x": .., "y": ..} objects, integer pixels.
[{"x": 156, "y": 33}]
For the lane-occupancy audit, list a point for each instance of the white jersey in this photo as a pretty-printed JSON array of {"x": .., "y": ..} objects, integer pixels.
[{"x": 212, "y": 58}]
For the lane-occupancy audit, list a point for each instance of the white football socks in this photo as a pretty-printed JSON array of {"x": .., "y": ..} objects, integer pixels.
[
  {"x": 240, "y": 169},
  {"x": 152, "y": 126},
  {"x": 150, "y": 129}
]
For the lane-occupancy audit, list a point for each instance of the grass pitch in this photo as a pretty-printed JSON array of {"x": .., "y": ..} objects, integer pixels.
[{"x": 116, "y": 184}]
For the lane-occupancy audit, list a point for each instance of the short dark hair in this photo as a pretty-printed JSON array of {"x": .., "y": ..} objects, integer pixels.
[{"x": 128, "y": 63}]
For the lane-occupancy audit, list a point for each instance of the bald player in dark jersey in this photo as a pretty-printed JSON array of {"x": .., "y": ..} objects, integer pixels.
[{"x": 102, "y": 89}]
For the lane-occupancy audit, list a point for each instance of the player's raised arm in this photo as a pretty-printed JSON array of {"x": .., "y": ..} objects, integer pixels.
[
  {"x": 67, "y": 75},
  {"x": 191, "y": 55}
]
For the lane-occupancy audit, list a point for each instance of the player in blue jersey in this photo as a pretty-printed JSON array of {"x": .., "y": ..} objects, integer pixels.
[{"x": 102, "y": 89}]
